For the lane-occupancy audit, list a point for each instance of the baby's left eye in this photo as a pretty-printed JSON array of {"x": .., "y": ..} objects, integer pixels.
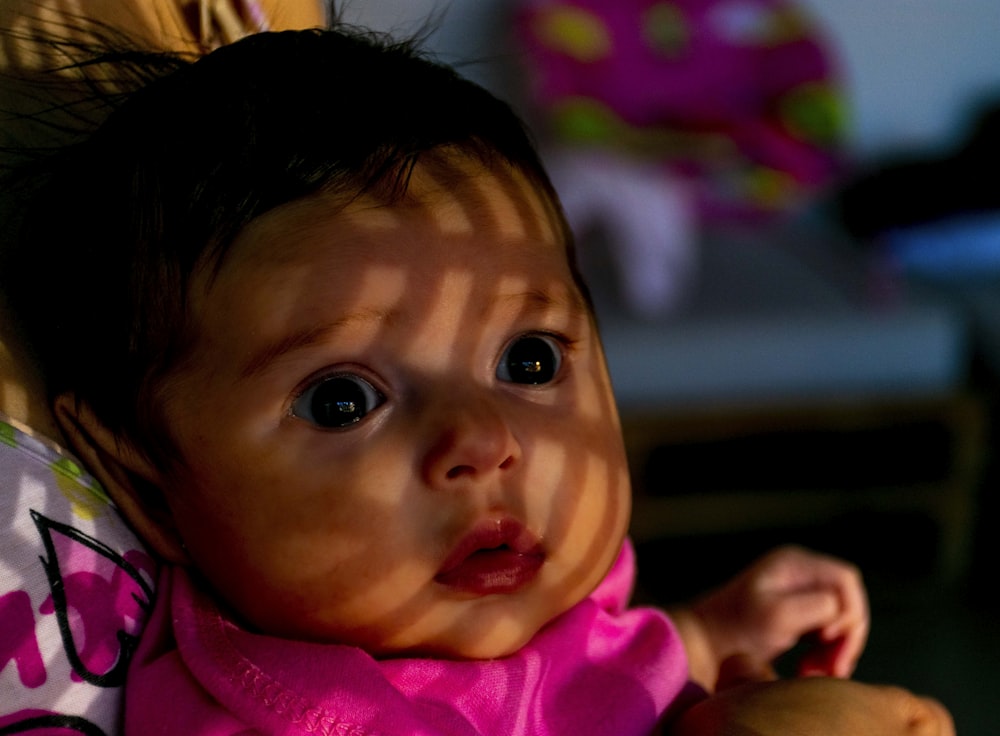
[{"x": 531, "y": 359}]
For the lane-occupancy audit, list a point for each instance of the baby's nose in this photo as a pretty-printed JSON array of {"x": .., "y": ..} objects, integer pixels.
[{"x": 472, "y": 442}]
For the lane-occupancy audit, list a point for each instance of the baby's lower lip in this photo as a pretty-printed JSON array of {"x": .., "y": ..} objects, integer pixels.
[
  {"x": 497, "y": 555},
  {"x": 488, "y": 571}
]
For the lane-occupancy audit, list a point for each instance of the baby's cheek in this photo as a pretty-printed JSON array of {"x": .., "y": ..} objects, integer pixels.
[{"x": 588, "y": 519}]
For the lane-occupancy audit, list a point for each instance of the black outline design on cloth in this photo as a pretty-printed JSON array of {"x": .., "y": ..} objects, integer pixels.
[
  {"x": 75, "y": 723},
  {"x": 128, "y": 642}
]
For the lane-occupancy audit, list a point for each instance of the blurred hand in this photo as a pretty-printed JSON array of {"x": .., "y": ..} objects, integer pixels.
[{"x": 782, "y": 597}]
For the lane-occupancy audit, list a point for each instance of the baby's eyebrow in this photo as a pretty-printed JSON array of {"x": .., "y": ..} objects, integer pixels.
[
  {"x": 536, "y": 301},
  {"x": 261, "y": 359},
  {"x": 539, "y": 300}
]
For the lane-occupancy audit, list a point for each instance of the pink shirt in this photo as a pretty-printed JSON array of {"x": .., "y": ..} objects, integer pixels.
[{"x": 597, "y": 669}]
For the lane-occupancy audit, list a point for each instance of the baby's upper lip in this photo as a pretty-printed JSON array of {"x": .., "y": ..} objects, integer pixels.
[{"x": 493, "y": 534}]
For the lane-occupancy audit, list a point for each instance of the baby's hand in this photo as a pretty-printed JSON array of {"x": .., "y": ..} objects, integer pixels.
[{"x": 770, "y": 606}]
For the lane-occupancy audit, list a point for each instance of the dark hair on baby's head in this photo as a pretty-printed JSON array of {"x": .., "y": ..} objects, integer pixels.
[{"x": 122, "y": 220}]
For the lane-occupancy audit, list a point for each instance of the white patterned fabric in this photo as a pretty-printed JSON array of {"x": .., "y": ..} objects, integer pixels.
[{"x": 76, "y": 586}]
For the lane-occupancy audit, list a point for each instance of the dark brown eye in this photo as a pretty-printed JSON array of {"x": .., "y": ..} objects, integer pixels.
[
  {"x": 531, "y": 359},
  {"x": 337, "y": 401}
]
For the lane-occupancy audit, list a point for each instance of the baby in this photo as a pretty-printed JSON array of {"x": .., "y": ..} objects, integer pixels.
[{"x": 322, "y": 338}]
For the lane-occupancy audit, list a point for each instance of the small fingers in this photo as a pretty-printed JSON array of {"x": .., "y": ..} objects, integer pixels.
[
  {"x": 823, "y": 659},
  {"x": 853, "y": 622},
  {"x": 831, "y": 600}
]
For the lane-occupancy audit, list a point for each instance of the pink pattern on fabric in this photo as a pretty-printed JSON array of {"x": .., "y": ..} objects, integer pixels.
[
  {"x": 17, "y": 638},
  {"x": 742, "y": 97}
]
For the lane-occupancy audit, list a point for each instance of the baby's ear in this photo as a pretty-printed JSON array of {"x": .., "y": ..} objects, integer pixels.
[{"x": 132, "y": 481}]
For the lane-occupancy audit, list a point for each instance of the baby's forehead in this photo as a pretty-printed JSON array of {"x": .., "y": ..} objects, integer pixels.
[
  {"x": 473, "y": 242},
  {"x": 460, "y": 195},
  {"x": 455, "y": 196},
  {"x": 505, "y": 194}
]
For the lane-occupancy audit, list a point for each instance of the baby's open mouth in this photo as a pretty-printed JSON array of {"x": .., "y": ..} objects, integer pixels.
[{"x": 497, "y": 556}]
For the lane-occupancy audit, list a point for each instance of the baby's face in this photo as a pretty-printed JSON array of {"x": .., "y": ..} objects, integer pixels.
[{"x": 396, "y": 426}]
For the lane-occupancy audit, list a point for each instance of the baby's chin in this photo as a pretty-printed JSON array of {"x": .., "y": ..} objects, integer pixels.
[
  {"x": 481, "y": 637},
  {"x": 501, "y": 636},
  {"x": 492, "y": 646}
]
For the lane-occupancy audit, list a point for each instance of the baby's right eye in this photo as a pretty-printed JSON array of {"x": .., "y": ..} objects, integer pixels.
[{"x": 337, "y": 401}]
